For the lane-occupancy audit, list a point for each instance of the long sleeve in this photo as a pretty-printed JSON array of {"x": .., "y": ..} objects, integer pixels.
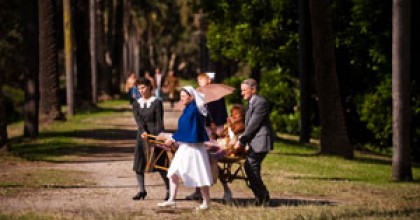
[
  {"x": 159, "y": 117},
  {"x": 258, "y": 116},
  {"x": 138, "y": 118}
]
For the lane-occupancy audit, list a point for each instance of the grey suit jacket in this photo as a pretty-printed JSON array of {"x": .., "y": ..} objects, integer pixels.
[{"x": 258, "y": 132}]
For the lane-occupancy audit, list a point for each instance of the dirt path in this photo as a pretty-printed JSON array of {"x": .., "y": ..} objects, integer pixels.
[{"x": 113, "y": 183}]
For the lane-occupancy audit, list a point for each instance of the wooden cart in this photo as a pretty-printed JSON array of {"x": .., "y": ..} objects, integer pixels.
[{"x": 231, "y": 166}]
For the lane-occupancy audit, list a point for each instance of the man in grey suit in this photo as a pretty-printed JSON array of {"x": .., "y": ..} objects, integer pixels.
[{"x": 258, "y": 135}]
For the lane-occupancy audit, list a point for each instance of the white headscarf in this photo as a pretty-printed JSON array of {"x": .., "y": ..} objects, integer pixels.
[{"x": 199, "y": 99}]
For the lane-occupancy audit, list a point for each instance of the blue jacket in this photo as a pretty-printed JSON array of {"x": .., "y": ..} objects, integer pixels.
[{"x": 191, "y": 126}]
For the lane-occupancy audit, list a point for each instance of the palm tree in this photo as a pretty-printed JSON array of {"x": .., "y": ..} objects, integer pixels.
[
  {"x": 117, "y": 59},
  {"x": 84, "y": 77},
  {"x": 334, "y": 138},
  {"x": 401, "y": 163},
  {"x": 92, "y": 48},
  {"x": 104, "y": 73},
  {"x": 50, "y": 107},
  {"x": 305, "y": 63},
  {"x": 3, "y": 124},
  {"x": 68, "y": 53},
  {"x": 31, "y": 69}
]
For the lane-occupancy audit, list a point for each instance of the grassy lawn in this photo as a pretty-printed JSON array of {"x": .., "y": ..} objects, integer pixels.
[
  {"x": 78, "y": 136},
  {"x": 303, "y": 184}
]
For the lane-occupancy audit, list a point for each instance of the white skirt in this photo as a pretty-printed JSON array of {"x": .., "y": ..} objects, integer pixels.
[{"x": 191, "y": 164}]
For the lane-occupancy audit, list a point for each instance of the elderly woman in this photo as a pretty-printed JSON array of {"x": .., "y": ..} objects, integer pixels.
[{"x": 191, "y": 162}]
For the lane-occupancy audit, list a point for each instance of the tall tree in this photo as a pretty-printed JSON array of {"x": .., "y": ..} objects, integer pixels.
[
  {"x": 118, "y": 53},
  {"x": 104, "y": 73},
  {"x": 92, "y": 48},
  {"x": 83, "y": 57},
  {"x": 305, "y": 67},
  {"x": 3, "y": 124},
  {"x": 401, "y": 163},
  {"x": 68, "y": 56},
  {"x": 31, "y": 69},
  {"x": 50, "y": 107},
  {"x": 334, "y": 138}
]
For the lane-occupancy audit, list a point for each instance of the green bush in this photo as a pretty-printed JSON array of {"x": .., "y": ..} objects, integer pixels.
[
  {"x": 282, "y": 92},
  {"x": 14, "y": 99},
  {"x": 376, "y": 110},
  {"x": 235, "y": 82}
]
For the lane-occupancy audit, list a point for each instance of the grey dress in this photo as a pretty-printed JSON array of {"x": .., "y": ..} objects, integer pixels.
[{"x": 149, "y": 118}]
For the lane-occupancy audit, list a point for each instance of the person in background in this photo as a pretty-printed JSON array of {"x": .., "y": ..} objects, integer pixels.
[
  {"x": 150, "y": 78},
  {"x": 158, "y": 78},
  {"x": 191, "y": 162},
  {"x": 171, "y": 84},
  {"x": 215, "y": 120},
  {"x": 217, "y": 111},
  {"x": 131, "y": 88},
  {"x": 148, "y": 113},
  {"x": 259, "y": 136}
]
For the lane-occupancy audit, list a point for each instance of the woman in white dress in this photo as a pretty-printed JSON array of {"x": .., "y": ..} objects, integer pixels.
[{"x": 191, "y": 162}]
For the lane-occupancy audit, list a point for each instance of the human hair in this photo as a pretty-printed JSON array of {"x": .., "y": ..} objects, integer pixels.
[
  {"x": 252, "y": 83},
  {"x": 240, "y": 108},
  {"x": 203, "y": 76},
  {"x": 144, "y": 81}
]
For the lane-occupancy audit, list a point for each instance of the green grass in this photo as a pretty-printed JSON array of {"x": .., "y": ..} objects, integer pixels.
[{"x": 78, "y": 136}]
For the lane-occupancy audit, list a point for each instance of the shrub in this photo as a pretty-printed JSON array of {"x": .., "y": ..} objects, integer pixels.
[
  {"x": 14, "y": 99},
  {"x": 282, "y": 92},
  {"x": 376, "y": 109}
]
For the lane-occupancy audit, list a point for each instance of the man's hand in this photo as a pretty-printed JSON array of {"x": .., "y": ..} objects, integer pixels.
[{"x": 238, "y": 145}]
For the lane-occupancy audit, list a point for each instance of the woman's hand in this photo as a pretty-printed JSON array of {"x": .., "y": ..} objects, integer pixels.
[
  {"x": 169, "y": 142},
  {"x": 144, "y": 135}
]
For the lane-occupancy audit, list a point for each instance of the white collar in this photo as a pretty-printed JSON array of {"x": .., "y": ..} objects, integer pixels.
[
  {"x": 148, "y": 102},
  {"x": 251, "y": 99}
]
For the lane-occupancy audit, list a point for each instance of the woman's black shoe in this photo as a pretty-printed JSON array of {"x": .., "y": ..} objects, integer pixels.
[{"x": 140, "y": 195}]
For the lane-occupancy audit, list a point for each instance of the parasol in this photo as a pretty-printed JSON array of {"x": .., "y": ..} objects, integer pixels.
[{"x": 215, "y": 91}]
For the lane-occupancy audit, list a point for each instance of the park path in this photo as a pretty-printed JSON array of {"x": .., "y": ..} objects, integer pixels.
[{"x": 112, "y": 178}]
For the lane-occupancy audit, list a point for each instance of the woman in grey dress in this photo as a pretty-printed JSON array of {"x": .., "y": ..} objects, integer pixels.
[{"x": 148, "y": 113}]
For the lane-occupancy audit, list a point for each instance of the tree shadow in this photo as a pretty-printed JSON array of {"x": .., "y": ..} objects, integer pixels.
[
  {"x": 244, "y": 202},
  {"x": 47, "y": 151},
  {"x": 97, "y": 134},
  {"x": 364, "y": 156},
  {"x": 329, "y": 179}
]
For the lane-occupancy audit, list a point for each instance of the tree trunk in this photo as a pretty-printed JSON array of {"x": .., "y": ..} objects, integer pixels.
[
  {"x": 31, "y": 69},
  {"x": 117, "y": 59},
  {"x": 92, "y": 48},
  {"x": 334, "y": 138},
  {"x": 172, "y": 61},
  {"x": 104, "y": 73},
  {"x": 3, "y": 124},
  {"x": 84, "y": 77},
  {"x": 50, "y": 107},
  {"x": 305, "y": 66},
  {"x": 68, "y": 56},
  {"x": 165, "y": 61},
  {"x": 150, "y": 42},
  {"x": 401, "y": 163}
]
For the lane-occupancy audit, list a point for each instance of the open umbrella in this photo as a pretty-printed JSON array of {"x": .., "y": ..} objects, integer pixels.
[{"x": 215, "y": 91}]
